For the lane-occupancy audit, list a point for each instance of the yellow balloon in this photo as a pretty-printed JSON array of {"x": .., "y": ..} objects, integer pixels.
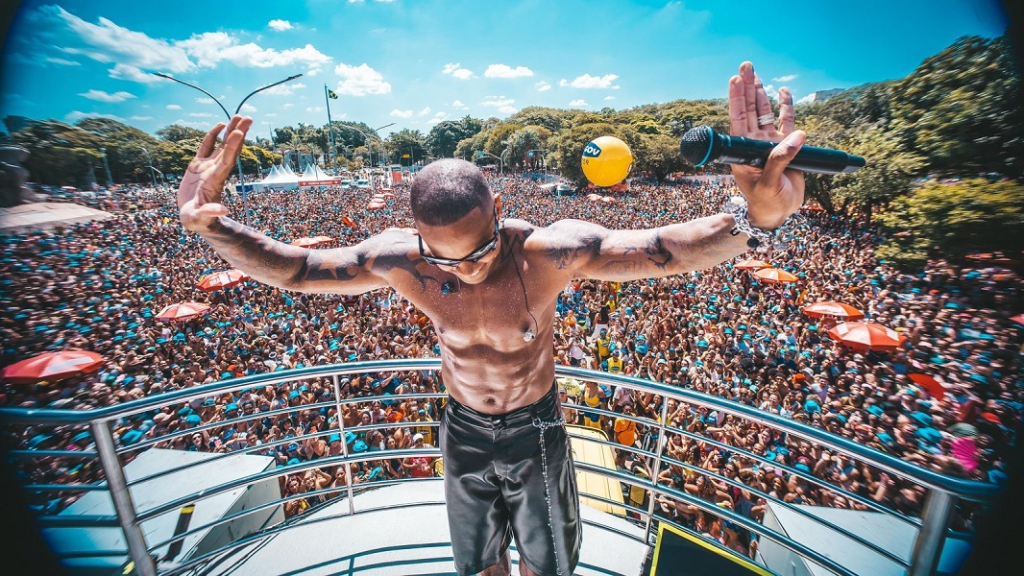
[{"x": 606, "y": 161}]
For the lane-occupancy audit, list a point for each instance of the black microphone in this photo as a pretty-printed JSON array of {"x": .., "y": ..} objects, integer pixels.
[{"x": 702, "y": 144}]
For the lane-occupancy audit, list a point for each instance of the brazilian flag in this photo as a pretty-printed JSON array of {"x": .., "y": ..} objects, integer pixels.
[{"x": 331, "y": 94}]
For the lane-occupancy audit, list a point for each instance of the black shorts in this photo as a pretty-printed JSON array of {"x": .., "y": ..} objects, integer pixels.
[{"x": 496, "y": 487}]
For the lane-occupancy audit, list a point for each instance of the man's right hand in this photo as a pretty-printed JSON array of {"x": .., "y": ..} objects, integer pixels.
[{"x": 200, "y": 190}]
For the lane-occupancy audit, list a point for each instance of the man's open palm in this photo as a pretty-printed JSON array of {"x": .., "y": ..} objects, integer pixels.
[
  {"x": 772, "y": 193},
  {"x": 200, "y": 190}
]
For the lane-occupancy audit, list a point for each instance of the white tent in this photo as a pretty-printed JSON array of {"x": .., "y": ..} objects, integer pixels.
[
  {"x": 279, "y": 178},
  {"x": 313, "y": 177}
]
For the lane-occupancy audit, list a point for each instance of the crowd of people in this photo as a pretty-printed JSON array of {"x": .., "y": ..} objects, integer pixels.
[{"x": 99, "y": 286}]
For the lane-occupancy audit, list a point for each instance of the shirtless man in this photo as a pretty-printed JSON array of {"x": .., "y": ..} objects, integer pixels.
[{"x": 489, "y": 285}]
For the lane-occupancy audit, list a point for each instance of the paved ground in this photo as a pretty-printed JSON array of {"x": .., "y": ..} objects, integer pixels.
[{"x": 46, "y": 216}]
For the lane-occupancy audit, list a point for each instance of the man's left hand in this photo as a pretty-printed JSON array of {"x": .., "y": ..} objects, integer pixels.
[{"x": 772, "y": 193}]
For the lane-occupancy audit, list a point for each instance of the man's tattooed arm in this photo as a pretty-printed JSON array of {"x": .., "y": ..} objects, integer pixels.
[
  {"x": 592, "y": 251},
  {"x": 350, "y": 270}
]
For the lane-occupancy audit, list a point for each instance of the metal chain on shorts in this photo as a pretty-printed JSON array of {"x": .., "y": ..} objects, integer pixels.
[{"x": 544, "y": 425}]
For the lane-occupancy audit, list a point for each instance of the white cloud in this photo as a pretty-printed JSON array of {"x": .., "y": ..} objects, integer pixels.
[
  {"x": 497, "y": 101},
  {"x": 459, "y": 105},
  {"x": 61, "y": 61},
  {"x": 173, "y": 107},
  {"x": 542, "y": 86},
  {"x": 212, "y": 48},
  {"x": 508, "y": 109},
  {"x": 315, "y": 109},
  {"x": 108, "y": 42},
  {"x": 588, "y": 81},
  {"x": 425, "y": 111},
  {"x": 401, "y": 113},
  {"x": 192, "y": 123},
  {"x": 78, "y": 115},
  {"x": 786, "y": 78},
  {"x": 140, "y": 118},
  {"x": 439, "y": 117},
  {"x": 455, "y": 70},
  {"x": 360, "y": 81},
  {"x": 270, "y": 115},
  {"x": 122, "y": 71},
  {"x": 287, "y": 105},
  {"x": 609, "y": 97},
  {"x": 505, "y": 71},
  {"x": 806, "y": 99},
  {"x": 280, "y": 25},
  {"x": 204, "y": 100},
  {"x": 579, "y": 103},
  {"x": 284, "y": 89},
  {"x": 772, "y": 91},
  {"x": 248, "y": 108},
  {"x": 200, "y": 115},
  {"x": 101, "y": 96}
]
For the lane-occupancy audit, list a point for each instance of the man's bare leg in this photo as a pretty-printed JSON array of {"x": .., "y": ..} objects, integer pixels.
[{"x": 502, "y": 568}]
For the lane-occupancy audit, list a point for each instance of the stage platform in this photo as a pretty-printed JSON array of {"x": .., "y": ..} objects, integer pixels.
[
  {"x": 406, "y": 540},
  {"x": 46, "y": 216}
]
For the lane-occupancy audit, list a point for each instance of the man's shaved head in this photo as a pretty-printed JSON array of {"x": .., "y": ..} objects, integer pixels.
[{"x": 446, "y": 190}]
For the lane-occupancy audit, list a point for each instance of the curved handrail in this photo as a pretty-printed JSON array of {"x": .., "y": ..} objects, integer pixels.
[
  {"x": 967, "y": 489},
  {"x": 944, "y": 488}
]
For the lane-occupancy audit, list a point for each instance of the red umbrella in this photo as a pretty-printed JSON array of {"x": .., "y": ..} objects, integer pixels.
[
  {"x": 753, "y": 264},
  {"x": 934, "y": 388},
  {"x": 834, "y": 309},
  {"x": 864, "y": 336},
  {"x": 53, "y": 366},
  {"x": 774, "y": 275},
  {"x": 223, "y": 279},
  {"x": 1019, "y": 319},
  {"x": 183, "y": 311}
]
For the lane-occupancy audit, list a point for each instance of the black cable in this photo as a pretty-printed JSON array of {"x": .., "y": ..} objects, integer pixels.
[{"x": 536, "y": 327}]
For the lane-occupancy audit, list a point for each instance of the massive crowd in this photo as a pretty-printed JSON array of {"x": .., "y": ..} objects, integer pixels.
[{"x": 98, "y": 287}]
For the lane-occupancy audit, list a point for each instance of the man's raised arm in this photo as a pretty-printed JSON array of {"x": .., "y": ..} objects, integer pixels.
[
  {"x": 343, "y": 270},
  {"x": 772, "y": 195}
]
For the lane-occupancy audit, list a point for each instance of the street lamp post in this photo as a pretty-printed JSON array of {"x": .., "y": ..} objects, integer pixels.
[
  {"x": 106, "y": 166},
  {"x": 501, "y": 163},
  {"x": 369, "y": 143},
  {"x": 241, "y": 178},
  {"x": 152, "y": 175}
]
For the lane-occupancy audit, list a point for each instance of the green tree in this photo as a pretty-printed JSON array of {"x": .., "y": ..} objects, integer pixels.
[
  {"x": 177, "y": 133},
  {"x": 953, "y": 220},
  {"x": 60, "y": 154},
  {"x": 962, "y": 110},
  {"x": 888, "y": 173},
  {"x": 406, "y": 141}
]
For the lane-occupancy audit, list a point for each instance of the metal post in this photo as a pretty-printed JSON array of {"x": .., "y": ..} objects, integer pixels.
[
  {"x": 938, "y": 507},
  {"x": 657, "y": 466},
  {"x": 123, "y": 505},
  {"x": 106, "y": 166},
  {"x": 344, "y": 447}
]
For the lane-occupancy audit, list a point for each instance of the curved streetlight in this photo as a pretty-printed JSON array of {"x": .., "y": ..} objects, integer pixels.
[
  {"x": 501, "y": 162},
  {"x": 241, "y": 179},
  {"x": 369, "y": 145},
  {"x": 150, "y": 157}
]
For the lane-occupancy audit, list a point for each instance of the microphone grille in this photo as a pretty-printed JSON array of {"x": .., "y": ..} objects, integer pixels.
[{"x": 696, "y": 144}]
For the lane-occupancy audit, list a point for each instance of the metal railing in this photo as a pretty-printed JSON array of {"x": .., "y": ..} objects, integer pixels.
[{"x": 943, "y": 491}]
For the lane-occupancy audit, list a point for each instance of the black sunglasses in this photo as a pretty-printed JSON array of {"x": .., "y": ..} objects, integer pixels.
[{"x": 473, "y": 257}]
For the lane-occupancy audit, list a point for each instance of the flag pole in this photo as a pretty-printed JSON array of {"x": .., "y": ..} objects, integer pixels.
[{"x": 330, "y": 128}]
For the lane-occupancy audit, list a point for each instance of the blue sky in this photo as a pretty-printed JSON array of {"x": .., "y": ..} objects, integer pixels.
[{"x": 417, "y": 62}]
